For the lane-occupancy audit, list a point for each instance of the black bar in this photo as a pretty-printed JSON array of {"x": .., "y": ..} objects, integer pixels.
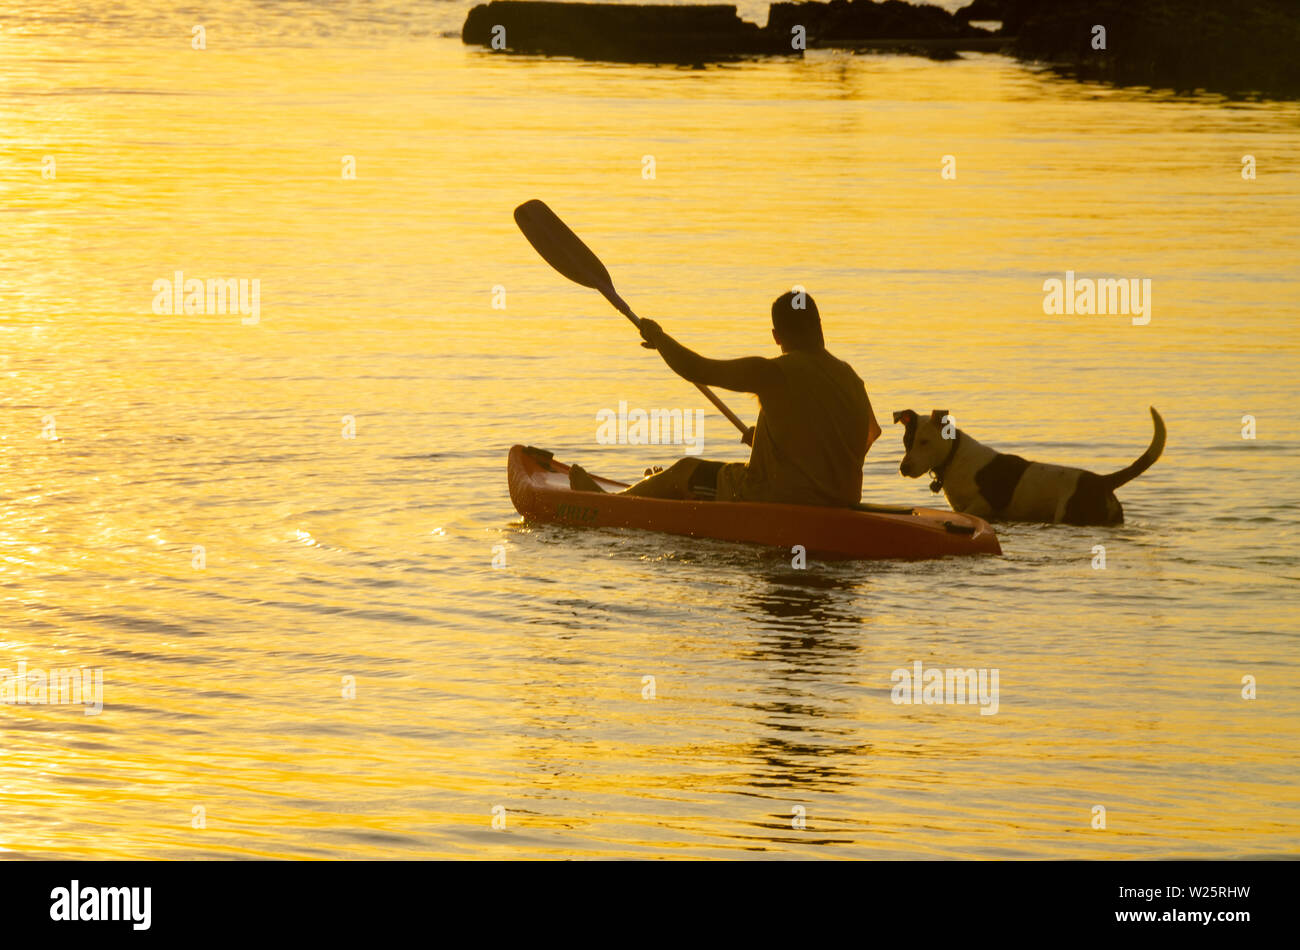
[{"x": 921, "y": 900}]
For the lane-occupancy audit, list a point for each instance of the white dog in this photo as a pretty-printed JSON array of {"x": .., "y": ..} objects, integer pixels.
[{"x": 976, "y": 480}]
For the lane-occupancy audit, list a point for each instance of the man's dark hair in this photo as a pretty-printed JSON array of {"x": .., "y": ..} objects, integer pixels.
[{"x": 796, "y": 320}]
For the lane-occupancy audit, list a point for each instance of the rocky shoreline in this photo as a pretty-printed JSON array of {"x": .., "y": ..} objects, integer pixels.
[
  {"x": 1241, "y": 49},
  {"x": 647, "y": 33},
  {"x": 1183, "y": 45},
  {"x": 696, "y": 34}
]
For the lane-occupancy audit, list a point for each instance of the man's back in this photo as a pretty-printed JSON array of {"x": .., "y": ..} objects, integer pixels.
[{"x": 812, "y": 434}]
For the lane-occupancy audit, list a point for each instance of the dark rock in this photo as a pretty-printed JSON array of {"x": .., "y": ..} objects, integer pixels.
[
  {"x": 623, "y": 33},
  {"x": 840, "y": 20},
  {"x": 982, "y": 10},
  {"x": 1249, "y": 47}
]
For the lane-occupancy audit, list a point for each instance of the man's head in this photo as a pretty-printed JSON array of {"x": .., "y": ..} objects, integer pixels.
[{"x": 796, "y": 324}]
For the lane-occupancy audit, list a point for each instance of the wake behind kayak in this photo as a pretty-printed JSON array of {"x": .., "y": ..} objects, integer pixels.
[{"x": 539, "y": 489}]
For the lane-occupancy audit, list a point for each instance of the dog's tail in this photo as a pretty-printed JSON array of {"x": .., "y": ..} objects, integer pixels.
[{"x": 1144, "y": 462}]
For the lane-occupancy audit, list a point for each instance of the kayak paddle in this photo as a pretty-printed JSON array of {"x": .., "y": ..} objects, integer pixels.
[{"x": 564, "y": 251}]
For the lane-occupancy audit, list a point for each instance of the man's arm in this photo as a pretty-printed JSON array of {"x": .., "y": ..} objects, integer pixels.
[{"x": 749, "y": 374}]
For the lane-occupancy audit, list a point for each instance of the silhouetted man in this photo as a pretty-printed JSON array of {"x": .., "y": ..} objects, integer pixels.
[{"x": 815, "y": 422}]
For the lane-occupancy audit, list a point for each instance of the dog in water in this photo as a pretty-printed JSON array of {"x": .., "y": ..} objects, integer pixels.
[{"x": 978, "y": 480}]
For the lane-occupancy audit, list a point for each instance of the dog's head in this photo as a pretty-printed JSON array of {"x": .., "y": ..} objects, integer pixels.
[{"x": 924, "y": 447}]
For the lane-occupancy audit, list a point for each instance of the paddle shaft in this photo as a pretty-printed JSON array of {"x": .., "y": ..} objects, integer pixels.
[
  {"x": 562, "y": 249},
  {"x": 621, "y": 306}
]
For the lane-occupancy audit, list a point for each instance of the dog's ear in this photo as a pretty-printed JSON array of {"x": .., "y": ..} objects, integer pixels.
[
  {"x": 936, "y": 416},
  {"x": 909, "y": 419}
]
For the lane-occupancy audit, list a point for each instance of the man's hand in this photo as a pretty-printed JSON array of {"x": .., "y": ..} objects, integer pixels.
[
  {"x": 651, "y": 333},
  {"x": 748, "y": 437}
]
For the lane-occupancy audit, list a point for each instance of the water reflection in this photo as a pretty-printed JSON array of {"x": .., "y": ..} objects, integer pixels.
[
  {"x": 806, "y": 602},
  {"x": 810, "y": 637}
]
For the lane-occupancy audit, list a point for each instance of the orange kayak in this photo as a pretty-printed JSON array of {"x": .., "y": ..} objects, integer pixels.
[{"x": 539, "y": 488}]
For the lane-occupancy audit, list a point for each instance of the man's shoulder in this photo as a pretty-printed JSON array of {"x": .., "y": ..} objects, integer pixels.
[{"x": 823, "y": 359}]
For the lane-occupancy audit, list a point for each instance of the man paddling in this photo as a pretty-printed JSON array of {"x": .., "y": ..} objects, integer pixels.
[{"x": 815, "y": 422}]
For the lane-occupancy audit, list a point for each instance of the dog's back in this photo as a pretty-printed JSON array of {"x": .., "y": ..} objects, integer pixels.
[
  {"x": 1019, "y": 490},
  {"x": 1063, "y": 495}
]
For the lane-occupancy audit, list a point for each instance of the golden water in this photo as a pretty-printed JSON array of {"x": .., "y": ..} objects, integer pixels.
[{"x": 328, "y": 557}]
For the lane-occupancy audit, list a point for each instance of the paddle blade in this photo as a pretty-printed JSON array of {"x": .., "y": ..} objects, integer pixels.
[{"x": 560, "y": 247}]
